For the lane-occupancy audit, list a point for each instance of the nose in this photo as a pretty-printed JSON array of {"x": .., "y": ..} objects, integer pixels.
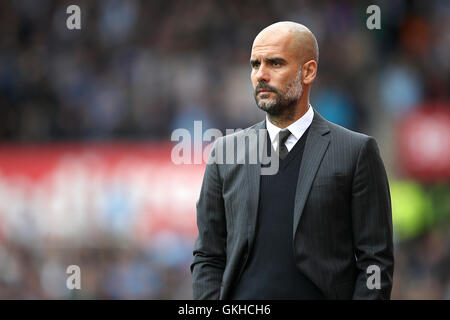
[{"x": 262, "y": 74}]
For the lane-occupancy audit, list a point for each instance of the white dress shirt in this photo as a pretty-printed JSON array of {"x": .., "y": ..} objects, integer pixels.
[{"x": 297, "y": 129}]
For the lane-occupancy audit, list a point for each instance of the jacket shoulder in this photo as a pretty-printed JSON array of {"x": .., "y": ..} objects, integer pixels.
[{"x": 348, "y": 136}]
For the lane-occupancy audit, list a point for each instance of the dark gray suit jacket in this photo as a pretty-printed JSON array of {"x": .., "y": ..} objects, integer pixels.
[{"x": 342, "y": 217}]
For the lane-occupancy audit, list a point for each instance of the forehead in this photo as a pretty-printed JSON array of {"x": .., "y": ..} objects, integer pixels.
[{"x": 269, "y": 44}]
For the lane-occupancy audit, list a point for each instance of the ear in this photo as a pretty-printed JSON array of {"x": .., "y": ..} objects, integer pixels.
[{"x": 309, "y": 70}]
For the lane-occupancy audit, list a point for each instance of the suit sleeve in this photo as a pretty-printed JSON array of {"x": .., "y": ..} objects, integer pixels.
[
  {"x": 210, "y": 246},
  {"x": 372, "y": 225}
]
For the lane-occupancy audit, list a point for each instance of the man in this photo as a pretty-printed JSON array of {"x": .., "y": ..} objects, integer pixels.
[{"x": 321, "y": 227}]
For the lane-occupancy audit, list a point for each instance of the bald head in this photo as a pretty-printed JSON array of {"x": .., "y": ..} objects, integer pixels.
[
  {"x": 284, "y": 65},
  {"x": 293, "y": 37}
]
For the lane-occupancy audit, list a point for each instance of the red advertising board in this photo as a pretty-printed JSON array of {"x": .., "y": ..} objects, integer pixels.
[
  {"x": 79, "y": 190},
  {"x": 423, "y": 144}
]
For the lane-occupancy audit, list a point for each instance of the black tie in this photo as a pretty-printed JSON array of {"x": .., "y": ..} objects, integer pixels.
[{"x": 282, "y": 137}]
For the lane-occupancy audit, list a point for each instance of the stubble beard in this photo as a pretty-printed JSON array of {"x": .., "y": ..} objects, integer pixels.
[{"x": 281, "y": 102}]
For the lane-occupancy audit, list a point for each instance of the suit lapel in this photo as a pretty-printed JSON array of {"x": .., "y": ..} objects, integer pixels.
[
  {"x": 315, "y": 147},
  {"x": 253, "y": 179}
]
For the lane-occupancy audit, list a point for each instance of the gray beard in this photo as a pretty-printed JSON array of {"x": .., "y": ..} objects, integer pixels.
[{"x": 282, "y": 102}]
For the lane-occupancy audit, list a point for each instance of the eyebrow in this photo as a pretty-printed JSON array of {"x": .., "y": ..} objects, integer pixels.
[{"x": 268, "y": 60}]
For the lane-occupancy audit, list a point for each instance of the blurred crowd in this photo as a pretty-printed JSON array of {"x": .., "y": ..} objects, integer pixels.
[
  {"x": 140, "y": 69},
  {"x": 108, "y": 270}
]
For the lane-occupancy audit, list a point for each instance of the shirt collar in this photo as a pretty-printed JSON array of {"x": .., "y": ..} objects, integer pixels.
[{"x": 297, "y": 128}]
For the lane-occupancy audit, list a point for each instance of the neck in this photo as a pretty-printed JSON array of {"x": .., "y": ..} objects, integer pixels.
[{"x": 290, "y": 115}]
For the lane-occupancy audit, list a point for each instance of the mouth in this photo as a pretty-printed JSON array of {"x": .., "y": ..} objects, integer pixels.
[{"x": 264, "y": 91}]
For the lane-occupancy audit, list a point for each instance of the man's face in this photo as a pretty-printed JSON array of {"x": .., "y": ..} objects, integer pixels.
[{"x": 276, "y": 73}]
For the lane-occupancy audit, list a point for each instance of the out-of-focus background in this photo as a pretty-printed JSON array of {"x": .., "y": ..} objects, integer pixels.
[{"x": 86, "y": 116}]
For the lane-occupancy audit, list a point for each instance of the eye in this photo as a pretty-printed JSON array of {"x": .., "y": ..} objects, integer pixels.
[{"x": 276, "y": 63}]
